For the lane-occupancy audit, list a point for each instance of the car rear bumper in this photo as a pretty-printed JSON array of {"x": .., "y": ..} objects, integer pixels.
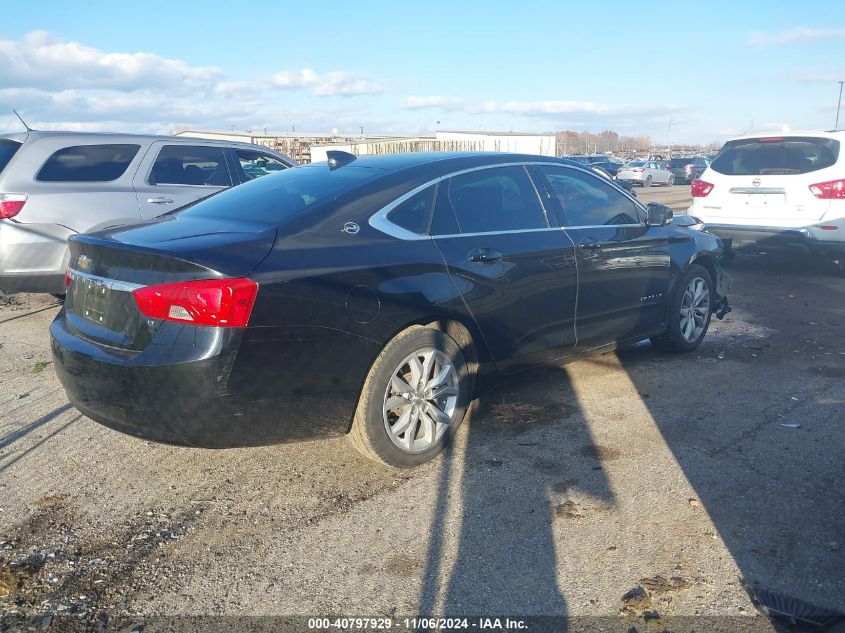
[
  {"x": 630, "y": 177},
  {"x": 219, "y": 393},
  {"x": 33, "y": 257},
  {"x": 737, "y": 237}
]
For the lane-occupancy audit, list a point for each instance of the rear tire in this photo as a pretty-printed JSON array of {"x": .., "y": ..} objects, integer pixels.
[
  {"x": 689, "y": 311},
  {"x": 647, "y": 182},
  {"x": 671, "y": 181},
  {"x": 414, "y": 399}
]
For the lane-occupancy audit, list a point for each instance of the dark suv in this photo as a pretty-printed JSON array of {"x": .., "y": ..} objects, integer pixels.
[{"x": 688, "y": 168}]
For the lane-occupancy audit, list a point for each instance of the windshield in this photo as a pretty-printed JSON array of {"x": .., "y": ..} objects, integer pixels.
[
  {"x": 7, "y": 150},
  {"x": 280, "y": 196},
  {"x": 775, "y": 155}
]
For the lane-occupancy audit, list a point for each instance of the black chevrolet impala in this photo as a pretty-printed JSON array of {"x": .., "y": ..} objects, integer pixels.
[{"x": 364, "y": 296}]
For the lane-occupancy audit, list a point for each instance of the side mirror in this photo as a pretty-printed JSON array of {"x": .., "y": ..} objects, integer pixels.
[{"x": 659, "y": 214}]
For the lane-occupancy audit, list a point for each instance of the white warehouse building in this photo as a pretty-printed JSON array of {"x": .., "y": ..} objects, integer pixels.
[{"x": 521, "y": 143}]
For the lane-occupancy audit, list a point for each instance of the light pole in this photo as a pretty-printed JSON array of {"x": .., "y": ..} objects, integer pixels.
[
  {"x": 838, "y": 105},
  {"x": 669, "y": 137}
]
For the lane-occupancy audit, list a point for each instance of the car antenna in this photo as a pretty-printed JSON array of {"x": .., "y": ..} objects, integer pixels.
[
  {"x": 28, "y": 129},
  {"x": 338, "y": 159}
]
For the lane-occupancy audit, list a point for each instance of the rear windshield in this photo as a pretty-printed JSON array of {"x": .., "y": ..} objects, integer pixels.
[
  {"x": 637, "y": 163},
  {"x": 88, "y": 163},
  {"x": 681, "y": 162},
  {"x": 7, "y": 150},
  {"x": 282, "y": 195},
  {"x": 766, "y": 156}
]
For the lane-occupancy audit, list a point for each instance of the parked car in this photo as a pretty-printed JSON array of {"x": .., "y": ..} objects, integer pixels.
[
  {"x": 611, "y": 167},
  {"x": 627, "y": 186},
  {"x": 364, "y": 296},
  {"x": 688, "y": 168},
  {"x": 777, "y": 192},
  {"x": 646, "y": 173},
  {"x": 57, "y": 184}
]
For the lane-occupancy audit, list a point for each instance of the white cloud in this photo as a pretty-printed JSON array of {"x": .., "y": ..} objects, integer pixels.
[
  {"x": 333, "y": 83},
  {"x": 57, "y": 83},
  {"x": 422, "y": 103},
  {"x": 541, "y": 108},
  {"x": 40, "y": 60},
  {"x": 791, "y": 36}
]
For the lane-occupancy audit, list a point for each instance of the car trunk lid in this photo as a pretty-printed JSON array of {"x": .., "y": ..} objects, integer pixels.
[{"x": 105, "y": 268}]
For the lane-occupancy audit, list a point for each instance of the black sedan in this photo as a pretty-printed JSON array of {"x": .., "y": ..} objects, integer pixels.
[{"x": 364, "y": 296}]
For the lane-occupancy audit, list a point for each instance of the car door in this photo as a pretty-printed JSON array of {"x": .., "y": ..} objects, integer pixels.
[
  {"x": 657, "y": 174},
  {"x": 175, "y": 174},
  {"x": 516, "y": 274},
  {"x": 623, "y": 264}
]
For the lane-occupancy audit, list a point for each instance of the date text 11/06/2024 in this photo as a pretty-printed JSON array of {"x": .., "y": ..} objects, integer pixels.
[{"x": 413, "y": 624}]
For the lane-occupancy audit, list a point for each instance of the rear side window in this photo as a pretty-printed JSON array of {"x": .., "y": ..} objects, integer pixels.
[
  {"x": 88, "y": 163},
  {"x": 776, "y": 156},
  {"x": 274, "y": 199},
  {"x": 415, "y": 213},
  {"x": 587, "y": 200},
  {"x": 497, "y": 199},
  {"x": 199, "y": 165},
  {"x": 7, "y": 150}
]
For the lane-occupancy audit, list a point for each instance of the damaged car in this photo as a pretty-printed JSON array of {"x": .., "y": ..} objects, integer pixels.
[{"x": 365, "y": 296}]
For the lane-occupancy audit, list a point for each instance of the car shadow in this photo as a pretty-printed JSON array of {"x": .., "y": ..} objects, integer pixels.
[
  {"x": 515, "y": 485},
  {"x": 758, "y": 433}
]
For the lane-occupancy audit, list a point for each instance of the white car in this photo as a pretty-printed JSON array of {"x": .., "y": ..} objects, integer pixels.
[
  {"x": 646, "y": 173},
  {"x": 775, "y": 192}
]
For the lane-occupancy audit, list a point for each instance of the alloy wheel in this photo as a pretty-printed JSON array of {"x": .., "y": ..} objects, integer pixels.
[
  {"x": 695, "y": 307},
  {"x": 420, "y": 400}
]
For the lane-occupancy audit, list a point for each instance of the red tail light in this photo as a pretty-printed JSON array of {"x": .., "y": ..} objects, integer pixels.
[
  {"x": 700, "y": 188},
  {"x": 830, "y": 190},
  {"x": 214, "y": 302},
  {"x": 11, "y": 204},
  {"x": 638, "y": 170},
  {"x": 68, "y": 279}
]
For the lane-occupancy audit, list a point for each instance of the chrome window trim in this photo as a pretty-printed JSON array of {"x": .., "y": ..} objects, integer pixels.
[
  {"x": 111, "y": 284},
  {"x": 380, "y": 222}
]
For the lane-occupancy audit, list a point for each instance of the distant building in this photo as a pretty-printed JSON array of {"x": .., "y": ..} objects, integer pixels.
[
  {"x": 307, "y": 148},
  {"x": 539, "y": 144}
]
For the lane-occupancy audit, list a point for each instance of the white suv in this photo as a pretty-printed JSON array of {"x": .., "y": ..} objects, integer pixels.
[{"x": 778, "y": 191}]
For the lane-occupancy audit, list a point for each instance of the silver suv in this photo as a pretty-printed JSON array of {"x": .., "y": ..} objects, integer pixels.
[{"x": 55, "y": 184}]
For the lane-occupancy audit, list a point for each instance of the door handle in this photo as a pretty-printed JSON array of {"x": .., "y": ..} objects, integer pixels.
[
  {"x": 160, "y": 200},
  {"x": 484, "y": 256},
  {"x": 590, "y": 245}
]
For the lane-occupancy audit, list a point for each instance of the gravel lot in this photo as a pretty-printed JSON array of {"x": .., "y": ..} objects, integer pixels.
[{"x": 568, "y": 488}]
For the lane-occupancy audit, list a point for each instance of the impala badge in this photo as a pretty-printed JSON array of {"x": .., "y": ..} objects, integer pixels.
[{"x": 84, "y": 262}]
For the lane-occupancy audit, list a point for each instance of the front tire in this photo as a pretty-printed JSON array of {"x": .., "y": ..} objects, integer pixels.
[
  {"x": 671, "y": 181},
  {"x": 413, "y": 400},
  {"x": 647, "y": 182},
  {"x": 689, "y": 311}
]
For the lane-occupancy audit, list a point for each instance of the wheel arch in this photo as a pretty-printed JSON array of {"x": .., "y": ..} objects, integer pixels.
[
  {"x": 465, "y": 335},
  {"x": 707, "y": 262}
]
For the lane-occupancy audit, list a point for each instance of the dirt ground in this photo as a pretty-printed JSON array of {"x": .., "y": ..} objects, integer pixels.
[{"x": 636, "y": 485}]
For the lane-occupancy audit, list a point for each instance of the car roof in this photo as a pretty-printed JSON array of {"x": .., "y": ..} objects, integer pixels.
[
  {"x": 112, "y": 137},
  {"x": 450, "y": 160}
]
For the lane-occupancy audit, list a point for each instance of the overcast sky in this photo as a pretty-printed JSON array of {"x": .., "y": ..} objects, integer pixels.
[{"x": 400, "y": 67}]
